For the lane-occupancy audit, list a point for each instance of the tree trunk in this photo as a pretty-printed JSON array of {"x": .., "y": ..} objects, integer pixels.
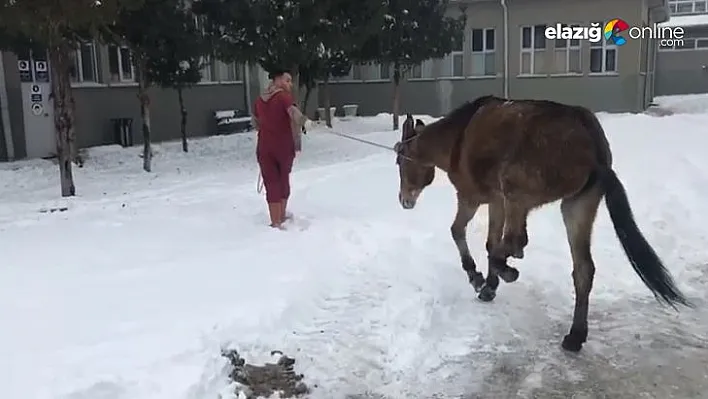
[
  {"x": 328, "y": 115},
  {"x": 75, "y": 154},
  {"x": 396, "y": 94},
  {"x": 59, "y": 59},
  {"x": 183, "y": 122},
  {"x": 308, "y": 91},
  {"x": 145, "y": 114},
  {"x": 296, "y": 85}
]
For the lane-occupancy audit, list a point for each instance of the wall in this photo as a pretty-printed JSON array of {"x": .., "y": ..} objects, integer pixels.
[
  {"x": 432, "y": 96},
  {"x": 610, "y": 92},
  {"x": 14, "y": 98},
  {"x": 95, "y": 106},
  {"x": 683, "y": 71}
]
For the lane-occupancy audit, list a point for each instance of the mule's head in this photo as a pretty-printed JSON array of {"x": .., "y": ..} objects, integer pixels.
[{"x": 414, "y": 173}]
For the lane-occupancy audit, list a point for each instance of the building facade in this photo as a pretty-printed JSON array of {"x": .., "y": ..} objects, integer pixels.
[
  {"x": 105, "y": 88},
  {"x": 683, "y": 68},
  {"x": 506, "y": 54}
]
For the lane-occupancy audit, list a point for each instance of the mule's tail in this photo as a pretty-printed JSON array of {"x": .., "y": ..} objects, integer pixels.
[
  {"x": 645, "y": 262},
  {"x": 640, "y": 254}
]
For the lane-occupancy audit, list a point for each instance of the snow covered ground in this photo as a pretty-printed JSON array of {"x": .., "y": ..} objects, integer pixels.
[
  {"x": 684, "y": 104},
  {"x": 131, "y": 292}
]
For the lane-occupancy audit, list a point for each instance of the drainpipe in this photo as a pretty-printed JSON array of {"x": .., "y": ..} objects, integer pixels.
[
  {"x": 653, "y": 53},
  {"x": 247, "y": 86},
  {"x": 5, "y": 114},
  {"x": 505, "y": 10}
]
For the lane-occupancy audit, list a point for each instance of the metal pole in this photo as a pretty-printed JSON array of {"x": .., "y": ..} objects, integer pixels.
[{"x": 247, "y": 86}]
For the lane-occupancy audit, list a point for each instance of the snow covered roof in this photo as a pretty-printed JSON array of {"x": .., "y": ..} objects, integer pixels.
[{"x": 686, "y": 20}]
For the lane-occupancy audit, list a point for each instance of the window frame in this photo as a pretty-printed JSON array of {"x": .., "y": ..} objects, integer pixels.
[
  {"x": 485, "y": 51},
  {"x": 78, "y": 60},
  {"x": 532, "y": 50},
  {"x": 605, "y": 48},
  {"x": 568, "y": 48}
]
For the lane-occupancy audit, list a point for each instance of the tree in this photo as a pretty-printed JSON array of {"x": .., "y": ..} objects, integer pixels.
[
  {"x": 333, "y": 64},
  {"x": 147, "y": 32},
  {"x": 58, "y": 27},
  {"x": 413, "y": 31},
  {"x": 273, "y": 34},
  {"x": 176, "y": 57},
  {"x": 308, "y": 77},
  {"x": 351, "y": 24}
]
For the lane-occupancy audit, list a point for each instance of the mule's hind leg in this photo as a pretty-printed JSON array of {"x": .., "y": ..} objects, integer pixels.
[
  {"x": 513, "y": 241},
  {"x": 515, "y": 235},
  {"x": 465, "y": 213},
  {"x": 578, "y": 216},
  {"x": 494, "y": 237}
]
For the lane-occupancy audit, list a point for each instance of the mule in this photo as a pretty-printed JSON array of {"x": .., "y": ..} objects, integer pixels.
[{"x": 516, "y": 156}]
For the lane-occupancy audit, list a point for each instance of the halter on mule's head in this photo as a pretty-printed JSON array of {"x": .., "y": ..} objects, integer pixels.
[{"x": 414, "y": 174}]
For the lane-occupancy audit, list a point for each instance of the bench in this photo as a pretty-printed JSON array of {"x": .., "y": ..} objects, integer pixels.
[{"x": 232, "y": 121}]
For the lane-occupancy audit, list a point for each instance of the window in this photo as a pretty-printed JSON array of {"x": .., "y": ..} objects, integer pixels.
[
  {"x": 206, "y": 70},
  {"x": 699, "y": 43},
  {"x": 567, "y": 55},
  {"x": 533, "y": 50},
  {"x": 84, "y": 67},
  {"x": 385, "y": 71},
  {"x": 457, "y": 62},
  {"x": 226, "y": 72},
  {"x": 356, "y": 72},
  {"x": 603, "y": 56},
  {"x": 453, "y": 64},
  {"x": 423, "y": 70},
  {"x": 120, "y": 64},
  {"x": 206, "y": 62},
  {"x": 483, "y": 52},
  {"x": 683, "y": 7}
]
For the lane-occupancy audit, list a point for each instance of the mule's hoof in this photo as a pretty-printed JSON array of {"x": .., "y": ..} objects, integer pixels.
[
  {"x": 477, "y": 281},
  {"x": 518, "y": 253},
  {"x": 487, "y": 294},
  {"x": 509, "y": 274},
  {"x": 572, "y": 343}
]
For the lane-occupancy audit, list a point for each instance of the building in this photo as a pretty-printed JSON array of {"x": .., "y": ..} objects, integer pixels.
[
  {"x": 683, "y": 68},
  {"x": 105, "y": 88},
  {"x": 506, "y": 54}
]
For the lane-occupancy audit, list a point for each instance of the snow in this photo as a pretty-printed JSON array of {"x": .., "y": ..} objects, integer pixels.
[
  {"x": 225, "y": 114},
  {"x": 686, "y": 20},
  {"x": 684, "y": 104},
  {"x": 133, "y": 291}
]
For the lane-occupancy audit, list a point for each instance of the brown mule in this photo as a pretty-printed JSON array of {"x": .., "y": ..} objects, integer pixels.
[{"x": 515, "y": 156}]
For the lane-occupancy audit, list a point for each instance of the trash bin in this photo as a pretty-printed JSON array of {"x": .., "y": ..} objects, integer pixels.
[{"x": 123, "y": 131}]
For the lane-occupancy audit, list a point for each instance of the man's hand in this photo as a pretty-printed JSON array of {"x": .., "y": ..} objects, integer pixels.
[{"x": 308, "y": 125}]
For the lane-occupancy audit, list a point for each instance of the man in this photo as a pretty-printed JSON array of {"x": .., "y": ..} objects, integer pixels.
[{"x": 279, "y": 123}]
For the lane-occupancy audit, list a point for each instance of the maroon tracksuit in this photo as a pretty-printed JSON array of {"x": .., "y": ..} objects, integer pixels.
[{"x": 275, "y": 150}]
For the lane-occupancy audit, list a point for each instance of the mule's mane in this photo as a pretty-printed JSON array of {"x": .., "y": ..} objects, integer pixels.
[{"x": 460, "y": 117}]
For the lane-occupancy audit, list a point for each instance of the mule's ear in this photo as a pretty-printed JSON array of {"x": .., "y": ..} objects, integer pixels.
[
  {"x": 407, "y": 129},
  {"x": 419, "y": 122}
]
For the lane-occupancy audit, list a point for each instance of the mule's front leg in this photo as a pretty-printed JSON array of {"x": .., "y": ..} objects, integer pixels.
[{"x": 465, "y": 213}]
